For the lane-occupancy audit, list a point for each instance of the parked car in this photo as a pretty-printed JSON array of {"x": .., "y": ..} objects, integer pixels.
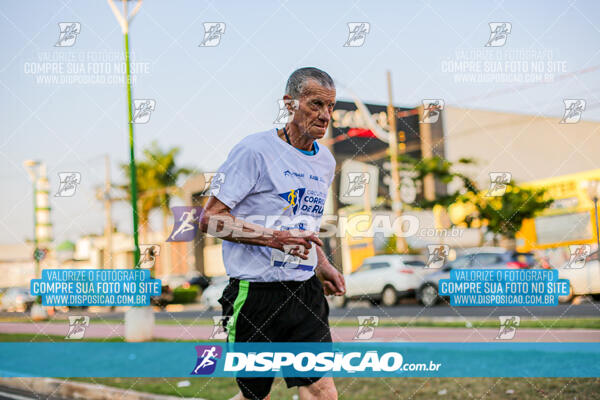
[
  {"x": 16, "y": 299},
  {"x": 384, "y": 279},
  {"x": 478, "y": 257},
  {"x": 211, "y": 295},
  {"x": 584, "y": 280}
]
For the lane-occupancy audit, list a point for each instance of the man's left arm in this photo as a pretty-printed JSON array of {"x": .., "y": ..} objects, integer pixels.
[{"x": 332, "y": 280}]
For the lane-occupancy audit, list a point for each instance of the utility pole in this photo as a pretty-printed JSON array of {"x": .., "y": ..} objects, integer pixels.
[
  {"x": 124, "y": 20},
  {"x": 108, "y": 227},
  {"x": 395, "y": 186}
]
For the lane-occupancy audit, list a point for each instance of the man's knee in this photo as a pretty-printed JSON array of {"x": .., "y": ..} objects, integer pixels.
[{"x": 323, "y": 389}]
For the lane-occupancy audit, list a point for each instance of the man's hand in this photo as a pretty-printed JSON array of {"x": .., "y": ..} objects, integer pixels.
[
  {"x": 295, "y": 242},
  {"x": 332, "y": 280}
]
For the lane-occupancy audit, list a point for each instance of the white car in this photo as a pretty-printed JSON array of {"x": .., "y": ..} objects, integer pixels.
[
  {"x": 16, "y": 299},
  {"x": 384, "y": 279},
  {"x": 583, "y": 280},
  {"x": 211, "y": 295}
]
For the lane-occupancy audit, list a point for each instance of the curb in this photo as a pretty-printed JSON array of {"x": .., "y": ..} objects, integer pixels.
[{"x": 80, "y": 390}]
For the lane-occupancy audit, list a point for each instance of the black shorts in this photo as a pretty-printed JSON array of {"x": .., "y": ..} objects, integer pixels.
[{"x": 286, "y": 311}]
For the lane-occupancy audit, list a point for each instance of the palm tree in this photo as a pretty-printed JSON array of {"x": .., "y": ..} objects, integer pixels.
[
  {"x": 157, "y": 175},
  {"x": 164, "y": 173}
]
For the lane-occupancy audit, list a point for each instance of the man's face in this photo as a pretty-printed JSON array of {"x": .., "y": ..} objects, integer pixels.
[{"x": 315, "y": 106}]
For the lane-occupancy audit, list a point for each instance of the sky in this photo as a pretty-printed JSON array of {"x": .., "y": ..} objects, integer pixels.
[{"x": 66, "y": 105}]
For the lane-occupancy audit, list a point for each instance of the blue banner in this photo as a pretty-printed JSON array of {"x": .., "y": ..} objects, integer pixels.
[
  {"x": 95, "y": 287},
  {"x": 338, "y": 359},
  {"x": 503, "y": 287}
]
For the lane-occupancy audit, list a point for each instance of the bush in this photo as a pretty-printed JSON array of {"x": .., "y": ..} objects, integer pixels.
[{"x": 185, "y": 296}]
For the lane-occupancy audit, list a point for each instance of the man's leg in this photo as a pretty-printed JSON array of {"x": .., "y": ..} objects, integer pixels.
[
  {"x": 323, "y": 389},
  {"x": 250, "y": 311}
]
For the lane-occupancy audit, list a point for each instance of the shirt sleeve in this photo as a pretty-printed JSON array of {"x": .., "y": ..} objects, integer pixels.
[{"x": 241, "y": 173}]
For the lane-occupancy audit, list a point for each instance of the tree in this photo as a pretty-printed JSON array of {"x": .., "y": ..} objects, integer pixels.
[
  {"x": 157, "y": 175},
  {"x": 443, "y": 171},
  {"x": 504, "y": 215}
]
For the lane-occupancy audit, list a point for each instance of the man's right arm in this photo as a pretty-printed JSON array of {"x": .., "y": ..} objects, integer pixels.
[{"x": 218, "y": 221}]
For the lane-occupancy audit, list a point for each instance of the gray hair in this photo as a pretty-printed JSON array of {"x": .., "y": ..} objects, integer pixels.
[{"x": 298, "y": 78}]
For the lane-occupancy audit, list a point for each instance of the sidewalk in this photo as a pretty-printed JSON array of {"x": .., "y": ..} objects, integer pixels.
[{"x": 339, "y": 334}]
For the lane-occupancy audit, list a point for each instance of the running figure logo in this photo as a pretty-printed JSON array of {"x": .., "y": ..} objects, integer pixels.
[
  {"x": 438, "y": 253},
  {"x": 366, "y": 327},
  {"x": 219, "y": 332},
  {"x": 285, "y": 115},
  {"x": 68, "y": 183},
  {"x": 358, "y": 33},
  {"x": 212, "y": 183},
  {"x": 498, "y": 183},
  {"x": 77, "y": 326},
  {"x": 357, "y": 184},
  {"x": 508, "y": 327},
  {"x": 186, "y": 223},
  {"x": 579, "y": 252},
  {"x": 293, "y": 197},
  {"x": 431, "y": 110},
  {"x": 499, "y": 32},
  {"x": 212, "y": 34},
  {"x": 143, "y": 110},
  {"x": 207, "y": 359},
  {"x": 573, "y": 111},
  {"x": 68, "y": 33},
  {"x": 148, "y": 252}
]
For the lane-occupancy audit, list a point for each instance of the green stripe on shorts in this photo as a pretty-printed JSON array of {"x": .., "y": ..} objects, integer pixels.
[{"x": 237, "y": 306}]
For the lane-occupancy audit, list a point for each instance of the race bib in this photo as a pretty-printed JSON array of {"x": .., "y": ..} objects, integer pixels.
[{"x": 282, "y": 259}]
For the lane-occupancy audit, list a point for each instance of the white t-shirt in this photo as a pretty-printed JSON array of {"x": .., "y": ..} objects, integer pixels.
[{"x": 267, "y": 182}]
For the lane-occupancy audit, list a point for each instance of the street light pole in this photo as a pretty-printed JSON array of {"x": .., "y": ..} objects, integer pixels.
[
  {"x": 30, "y": 167},
  {"x": 124, "y": 20}
]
